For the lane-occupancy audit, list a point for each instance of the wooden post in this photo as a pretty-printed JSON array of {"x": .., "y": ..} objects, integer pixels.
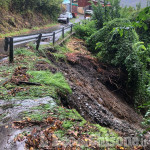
[
  {"x": 53, "y": 38},
  {"x": 38, "y": 41},
  {"x": 71, "y": 28},
  {"x": 6, "y": 44},
  {"x": 63, "y": 32},
  {"x": 11, "y": 51}
]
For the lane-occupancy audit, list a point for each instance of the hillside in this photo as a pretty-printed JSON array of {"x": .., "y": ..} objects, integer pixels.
[
  {"x": 72, "y": 106},
  {"x": 17, "y": 14}
]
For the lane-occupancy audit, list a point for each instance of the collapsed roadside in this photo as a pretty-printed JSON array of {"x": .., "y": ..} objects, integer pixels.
[{"x": 86, "y": 93}]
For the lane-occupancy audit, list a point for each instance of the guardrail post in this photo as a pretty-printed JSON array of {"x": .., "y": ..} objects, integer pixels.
[
  {"x": 53, "y": 38},
  {"x": 63, "y": 32},
  {"x": 11, "y": 51},
  {"x": 71, "y": 28},
  {"x": 6, "y": 44},
  {"x": 38, "y": 41}
]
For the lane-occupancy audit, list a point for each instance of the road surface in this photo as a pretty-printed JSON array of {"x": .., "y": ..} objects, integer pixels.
[{"x": 49, "y": 30}]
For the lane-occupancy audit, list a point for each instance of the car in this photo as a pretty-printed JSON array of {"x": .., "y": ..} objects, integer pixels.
[
  {"x": 64, "y": 18},
  {"x": 88, "y": 14}
]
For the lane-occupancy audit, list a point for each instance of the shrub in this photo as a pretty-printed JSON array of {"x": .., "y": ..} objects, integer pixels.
[
  {"x": 85, "y": 30},
  {"x": 46, "y": 7},
  {"x": 4, "y": 3},
  {"x": 98, "y": 15},
  {"x": 141, "y": 21},
  {"x": 118, "y": 44},
  {"x": 106, "y": 13}
]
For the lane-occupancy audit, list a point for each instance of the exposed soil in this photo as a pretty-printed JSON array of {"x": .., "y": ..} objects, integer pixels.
[
  {"x": 42, "y": 65},
  {"x": 13, "y": 21},
  {"x": 98, "y": 93},
  {"x": 89, "y": 81}
]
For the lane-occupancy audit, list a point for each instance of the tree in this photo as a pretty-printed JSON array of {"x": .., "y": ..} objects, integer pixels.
[
  {"x": 98, "y": 14},
  {"x": 106, "y": 13}
]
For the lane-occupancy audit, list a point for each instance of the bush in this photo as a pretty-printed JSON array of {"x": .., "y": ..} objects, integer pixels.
[
  {"x": 141, "y": 21},
  {"x": 85, "y": 30},
  {"x": 46, "y": 7},
  {"x": 4, "y": 3},
  {"x": 118, "y": 44},
  {"x": 106, "y": 13}
]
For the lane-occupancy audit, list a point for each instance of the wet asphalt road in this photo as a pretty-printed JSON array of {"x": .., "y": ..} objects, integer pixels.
[{"x": 49, "y": 30}]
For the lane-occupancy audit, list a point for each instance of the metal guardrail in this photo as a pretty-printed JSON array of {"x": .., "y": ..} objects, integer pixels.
[{"x": 10, "y": 42}]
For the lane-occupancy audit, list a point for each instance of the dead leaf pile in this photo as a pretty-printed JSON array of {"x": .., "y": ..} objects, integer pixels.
[{"x": 20, "y": 75}]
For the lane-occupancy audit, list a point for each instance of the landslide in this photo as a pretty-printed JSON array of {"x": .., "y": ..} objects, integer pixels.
[
  {"x": 97, "y": 89},
  {"x": 12, "y": 21}
]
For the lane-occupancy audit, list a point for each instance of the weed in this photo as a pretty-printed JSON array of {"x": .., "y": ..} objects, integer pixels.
[
  {"x": 67, "y": 124},
  {"x": 59, "y": 56},
  {"x": 36, "y": 91},
  {"x": 2, "y": 116},
  {"x": 61, "y": 51},
  {"x": 60, "y": 133},
  {"x": 24, "y": 51},
  {"x": 23, "y": 31},
  {"x": 38, "y": 116},
  {"x": 46, "y": 77}
]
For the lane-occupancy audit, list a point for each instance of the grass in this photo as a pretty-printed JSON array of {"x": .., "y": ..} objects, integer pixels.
[
  {"x": 47, "y": 78},
  {"x": 25, "y": 30},
  {"x": 51, "y": 83},
  {"x": 2, "y": 116},
  {"x": 61, "y": 51},
  {"x": 71, "y": 120}
]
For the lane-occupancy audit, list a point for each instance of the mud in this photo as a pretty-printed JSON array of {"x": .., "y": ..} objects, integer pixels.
[
  {"x": 92, "y": 98},
  {"x": 41, "y": 65}
]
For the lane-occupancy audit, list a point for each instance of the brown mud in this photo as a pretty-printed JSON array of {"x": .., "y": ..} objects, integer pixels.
[{"x": 97, "y": 90}]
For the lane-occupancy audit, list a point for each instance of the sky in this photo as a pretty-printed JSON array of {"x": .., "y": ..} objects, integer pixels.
[{"x": 133, "y": 2}]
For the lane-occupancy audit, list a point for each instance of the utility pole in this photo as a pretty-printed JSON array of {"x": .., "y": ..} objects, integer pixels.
[
  {"x": 105, "y": 8},
  {"x": 71, "y": 6}
]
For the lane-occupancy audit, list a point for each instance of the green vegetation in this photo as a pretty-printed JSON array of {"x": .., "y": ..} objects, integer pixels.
[
  {"x": 47, "y": 78},
  {"x": 25, "y": 31},
  {"x": 103, "y": 14},
  {"x": 50, "y": 83},
  {"x": 141, "y": 21},
  {"x": 47, "y": 7},
  {"x": 73, "y": 125},
  {"x": 60, "y": 52},
  {"x": 123, "y": 43},
  {"x": 85, "y": 30},
  {"x": 118, "y": 44},
  {"x": 2, "y": 116}
]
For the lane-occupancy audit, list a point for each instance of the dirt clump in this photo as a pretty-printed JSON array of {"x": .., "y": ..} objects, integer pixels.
[
  {"x": 42, "y": 65},
  {"x": 77, "y": 45}
]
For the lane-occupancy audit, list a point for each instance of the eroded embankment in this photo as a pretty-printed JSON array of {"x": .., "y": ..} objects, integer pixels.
[{"x": 90, "y": 96}]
